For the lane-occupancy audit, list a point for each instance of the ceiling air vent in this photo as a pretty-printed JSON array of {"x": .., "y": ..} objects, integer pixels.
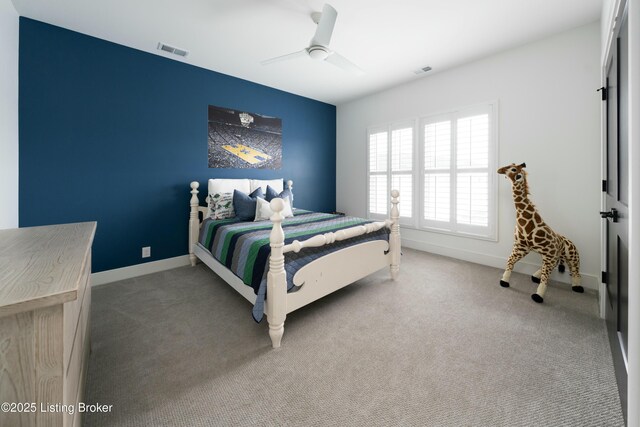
[
  {"x": 422, "y": 70},
  {"x": 171, "y": 49}
]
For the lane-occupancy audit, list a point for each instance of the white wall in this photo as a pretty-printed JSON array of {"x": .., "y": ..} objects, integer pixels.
[
  {"x": 8, "y": 115},
  {"x": 549, "y": 118}
]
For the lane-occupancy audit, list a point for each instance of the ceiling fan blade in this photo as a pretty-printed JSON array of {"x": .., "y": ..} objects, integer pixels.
[
  {"x": 340, "y": 61},
  {"x": 286, "y": 57},
  {"x": 327, "y": 21}
]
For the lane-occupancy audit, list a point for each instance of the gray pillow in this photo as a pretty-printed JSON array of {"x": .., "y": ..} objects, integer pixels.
[{"x": 272, "y": 194}]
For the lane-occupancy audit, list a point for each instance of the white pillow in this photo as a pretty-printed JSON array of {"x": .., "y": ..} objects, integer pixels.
[
  {"x": 276, "y": 184},
  {"x": 263, "y": 209},
  {"x": 221, "y": 185}
]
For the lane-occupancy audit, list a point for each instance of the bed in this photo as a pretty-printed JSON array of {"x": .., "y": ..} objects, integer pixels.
[{"x": 345, "y": 250}]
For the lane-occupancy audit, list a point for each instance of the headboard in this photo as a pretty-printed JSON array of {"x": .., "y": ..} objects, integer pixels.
[{"x": 224, "y": 185}]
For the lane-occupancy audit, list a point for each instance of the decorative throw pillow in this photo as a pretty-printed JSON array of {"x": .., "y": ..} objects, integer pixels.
[
  {"x": 272, "y": 194},
  {"x": 221, "y": 205},
  {"x": 263, "y": 209},
  {"x": 245, "y": 205}
]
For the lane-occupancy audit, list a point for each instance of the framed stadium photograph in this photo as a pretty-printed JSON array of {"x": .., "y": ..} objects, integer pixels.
[{"x": 240, "y": 140}]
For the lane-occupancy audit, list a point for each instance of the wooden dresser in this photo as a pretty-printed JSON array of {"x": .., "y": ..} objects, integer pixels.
[{"x": 45, "y": 299}]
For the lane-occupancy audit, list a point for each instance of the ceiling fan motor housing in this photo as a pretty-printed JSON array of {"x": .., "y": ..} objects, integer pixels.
[{"x": 318, "y": 52}]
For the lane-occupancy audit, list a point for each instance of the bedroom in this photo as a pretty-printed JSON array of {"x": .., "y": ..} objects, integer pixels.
[{"x": 99, "y": 125}]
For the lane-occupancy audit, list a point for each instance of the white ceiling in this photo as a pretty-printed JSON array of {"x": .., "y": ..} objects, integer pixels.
[{"x": 388, "y": 40}]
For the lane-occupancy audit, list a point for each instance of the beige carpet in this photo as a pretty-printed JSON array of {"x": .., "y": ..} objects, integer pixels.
[{"x": 445, "y": 345}]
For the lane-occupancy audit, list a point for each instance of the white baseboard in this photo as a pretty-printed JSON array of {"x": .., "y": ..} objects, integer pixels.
[
  {"x": 589, "y": 281},
  {"x": 114, "y": 275}
]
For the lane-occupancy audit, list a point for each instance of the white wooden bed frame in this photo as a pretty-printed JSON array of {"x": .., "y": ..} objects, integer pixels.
[{"x": 320, "y": 277}]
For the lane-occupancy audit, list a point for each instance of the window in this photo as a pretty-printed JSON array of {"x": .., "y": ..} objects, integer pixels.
[
  {"x": 391, "y": 166},
  {"x": 458, "y": 172},
  {"x": 444, "y": 170}
]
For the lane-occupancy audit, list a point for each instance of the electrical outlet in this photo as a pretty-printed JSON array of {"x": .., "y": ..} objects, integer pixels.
[{"x": 146, "y": 252}]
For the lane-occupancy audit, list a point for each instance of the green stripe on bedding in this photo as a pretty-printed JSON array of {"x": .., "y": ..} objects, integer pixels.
[
  {"x": 263, "y": 226},
  {"x": 209, "y": 236}
]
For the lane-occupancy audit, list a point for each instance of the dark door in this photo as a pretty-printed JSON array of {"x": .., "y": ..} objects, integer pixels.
[{"x": 616, "y": 214}]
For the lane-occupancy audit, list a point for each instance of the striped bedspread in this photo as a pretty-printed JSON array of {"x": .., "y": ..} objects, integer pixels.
[{"x": 243, "y": 246}]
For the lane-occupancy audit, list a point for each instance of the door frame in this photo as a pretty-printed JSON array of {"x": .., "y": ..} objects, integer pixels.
[
  {"x": 611, "y": 13},
  {"x": 612, "y": 35},
  {"x": 633, "y": 381}
]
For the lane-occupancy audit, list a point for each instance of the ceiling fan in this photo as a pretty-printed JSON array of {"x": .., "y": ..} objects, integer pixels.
[{"x": 318, "y": 48}]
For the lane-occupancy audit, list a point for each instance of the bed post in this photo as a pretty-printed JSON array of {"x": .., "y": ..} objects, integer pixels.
[
  {"x": 194, "y": 221},
  {"x": 394, "y": 236},
  {"x": 277, "y": 277}
]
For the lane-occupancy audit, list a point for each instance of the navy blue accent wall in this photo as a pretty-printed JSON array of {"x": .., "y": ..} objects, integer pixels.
[{"x": 116, "y": 135}]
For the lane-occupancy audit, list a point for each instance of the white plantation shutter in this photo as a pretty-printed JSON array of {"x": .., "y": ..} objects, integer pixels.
[
  {"x": 378, "y": 151},
  {"x": 391, "y": 159},
  {"x": 472, "y": 206},
  {"x": 378, "y": 167},
  {"x": 458, "y": 172},
  {"x": 437, "y": 145},
  {"x": 378, "y": 199},
  {"x": 473, "y": 154},
  {"x": 437, "y": 204},
  {"x": 437, "y": 185},
  {"x": 402, "y": 149},
  {"x": 473, "y": 142},
  {"x": 402, "y": 168}
]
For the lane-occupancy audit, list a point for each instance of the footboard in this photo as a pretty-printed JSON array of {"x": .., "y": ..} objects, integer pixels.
[
  {"x": 330, "y": 272},
  {"x": 337, "y": 270}
]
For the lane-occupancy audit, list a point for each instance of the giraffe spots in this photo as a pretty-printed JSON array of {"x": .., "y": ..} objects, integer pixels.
[
  {"x": 529, "y": 227},
  {"x": 527, "y": 215},
  {"x": 537, "y": 218},
  {"x": 540, "y": 236}
]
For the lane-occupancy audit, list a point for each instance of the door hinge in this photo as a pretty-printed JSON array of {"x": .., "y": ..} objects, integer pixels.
[
  {"x": 605, "y": 277},
  {"x": 604, "y": 92},
  {"x": 604, "y": 185}
]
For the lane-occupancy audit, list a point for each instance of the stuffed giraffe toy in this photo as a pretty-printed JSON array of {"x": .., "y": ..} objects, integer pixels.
[{"x": 532, "y": 234}]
